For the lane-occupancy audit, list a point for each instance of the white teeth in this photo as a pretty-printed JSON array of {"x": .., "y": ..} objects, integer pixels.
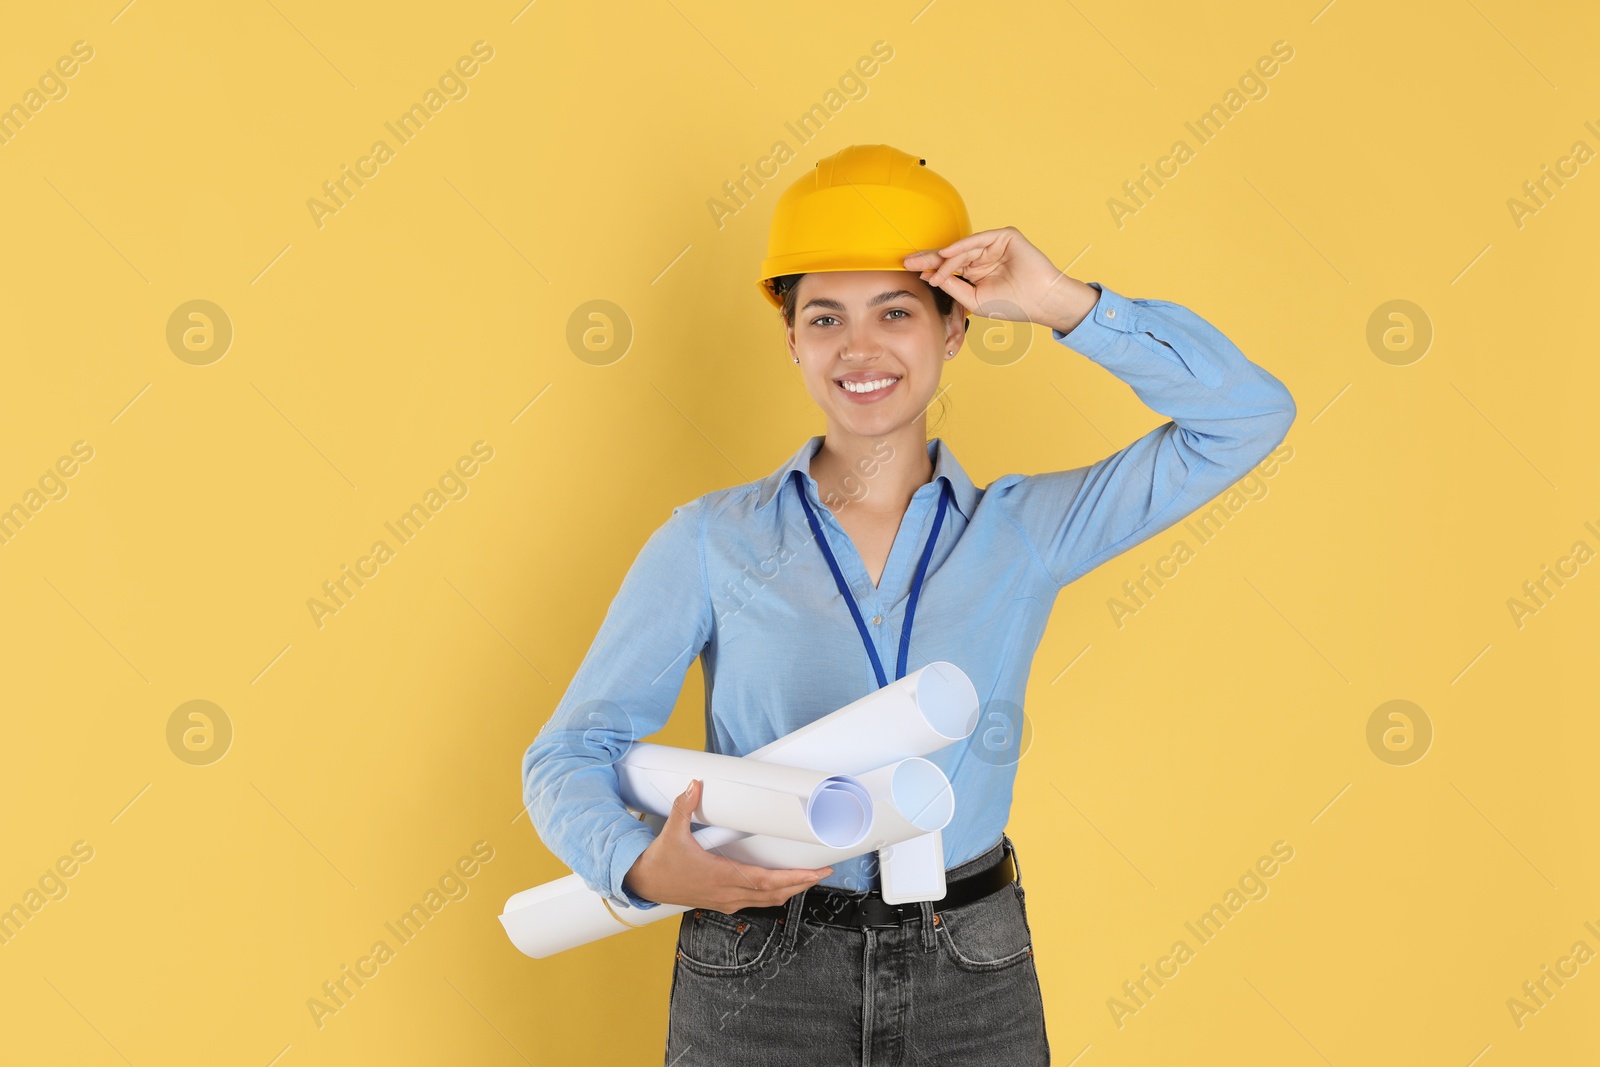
[{"x": 869, "y": 387}]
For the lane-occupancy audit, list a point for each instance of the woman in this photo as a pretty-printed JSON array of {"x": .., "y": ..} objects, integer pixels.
[{"x": 871, "y": 551}]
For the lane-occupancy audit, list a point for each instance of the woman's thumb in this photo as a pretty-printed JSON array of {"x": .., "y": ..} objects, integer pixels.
[{"x": 685, "y": 803}]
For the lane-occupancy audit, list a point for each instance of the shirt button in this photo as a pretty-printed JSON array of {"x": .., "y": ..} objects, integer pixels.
[
  {"x": 877, "y": 619},
  {"x": 1111, "y": 314}
]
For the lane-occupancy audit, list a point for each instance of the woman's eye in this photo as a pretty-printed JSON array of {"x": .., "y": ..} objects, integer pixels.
[{"x": 902, "y": 312}]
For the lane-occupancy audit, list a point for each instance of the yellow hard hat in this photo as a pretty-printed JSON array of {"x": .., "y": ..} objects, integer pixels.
[{"x": 866, "y": 207}]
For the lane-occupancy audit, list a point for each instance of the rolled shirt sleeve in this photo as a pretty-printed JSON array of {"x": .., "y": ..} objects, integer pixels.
[
  {"x": 1226, "y": 415},
  {"x": 625, "y": 689}
]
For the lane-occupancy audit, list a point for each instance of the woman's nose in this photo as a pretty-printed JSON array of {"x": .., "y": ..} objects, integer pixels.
[{"x": 859, "y": 345}]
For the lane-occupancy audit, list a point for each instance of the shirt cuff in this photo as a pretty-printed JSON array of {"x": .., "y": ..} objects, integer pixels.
[
  {"x": 628, "y": 851},
  {"x": 1111, "y": 317}
]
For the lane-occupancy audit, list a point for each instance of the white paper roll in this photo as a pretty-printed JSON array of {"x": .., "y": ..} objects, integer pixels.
[
  {"x": 555, "y": 916},
  {"x": 917, "y": 715},
  {"x": 796, "y": 803},
  {"x": 914, "y": 716},
  {"x": 910, "y": 798}
]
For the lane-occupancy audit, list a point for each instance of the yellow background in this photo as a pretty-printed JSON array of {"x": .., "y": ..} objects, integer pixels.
[{"x": 431, "y": 312}]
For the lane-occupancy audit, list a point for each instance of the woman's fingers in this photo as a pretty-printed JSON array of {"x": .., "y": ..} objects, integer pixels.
[
  {"x": 933, "y": 257},
  {"x": 680, "y": 870},
  {"x": 776, "y": 885},
  {"x": 749, "y": 886},
  {"x": 961, "y": 288},
  {"x": 937, "y": 264},
  {"x": 780, "y": 877},
  {"x": 965, "y": 293},
  {"x": 981, "y": 239},
  {"x": 741, "y": 884},
  {"x": 953, "y": 263}
]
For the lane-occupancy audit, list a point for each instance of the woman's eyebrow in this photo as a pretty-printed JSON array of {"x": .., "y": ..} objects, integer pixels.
[{"x": 881, "y": 298}]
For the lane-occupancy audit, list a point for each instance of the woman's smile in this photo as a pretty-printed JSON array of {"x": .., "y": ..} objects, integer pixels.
[{"x": 869, "y": 388}]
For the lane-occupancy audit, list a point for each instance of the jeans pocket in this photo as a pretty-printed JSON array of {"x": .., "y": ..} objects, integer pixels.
[
  {"x": 990, "y": 934},
  {"x": 715, "y": 944}
]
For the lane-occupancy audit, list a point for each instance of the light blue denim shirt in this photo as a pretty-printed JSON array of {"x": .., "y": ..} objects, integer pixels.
[{"x": 735, "y": 577}]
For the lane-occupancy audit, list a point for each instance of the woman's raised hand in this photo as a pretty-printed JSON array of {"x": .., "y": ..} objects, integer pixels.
[
  {"x": 1003, "y": 276},
  {"x": 674, "y": 869}
]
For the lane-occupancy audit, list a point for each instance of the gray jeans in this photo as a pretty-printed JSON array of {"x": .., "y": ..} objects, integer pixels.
[{"x": 955, "y": 986}]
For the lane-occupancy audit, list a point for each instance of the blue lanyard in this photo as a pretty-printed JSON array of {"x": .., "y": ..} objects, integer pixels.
[{"x": 849, "y": 598}]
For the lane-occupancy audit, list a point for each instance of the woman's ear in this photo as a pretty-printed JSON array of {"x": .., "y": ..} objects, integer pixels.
[{"x": 955, "y": 337}]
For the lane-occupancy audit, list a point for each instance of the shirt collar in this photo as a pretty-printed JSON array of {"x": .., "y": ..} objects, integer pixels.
[{"x": 963, "y": 492}]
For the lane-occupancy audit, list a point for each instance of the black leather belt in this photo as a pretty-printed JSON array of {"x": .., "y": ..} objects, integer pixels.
[{"x": 835, "y": 907}]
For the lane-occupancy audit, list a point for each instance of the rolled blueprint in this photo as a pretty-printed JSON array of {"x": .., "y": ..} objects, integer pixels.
[
  {"x": 910, "y": 869},
  {"x": 914, "y": 716},
  {"x": 813, "y": 807},
  {"x": 909, "y": 798},
  {"x": 917, "y": 715}
]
